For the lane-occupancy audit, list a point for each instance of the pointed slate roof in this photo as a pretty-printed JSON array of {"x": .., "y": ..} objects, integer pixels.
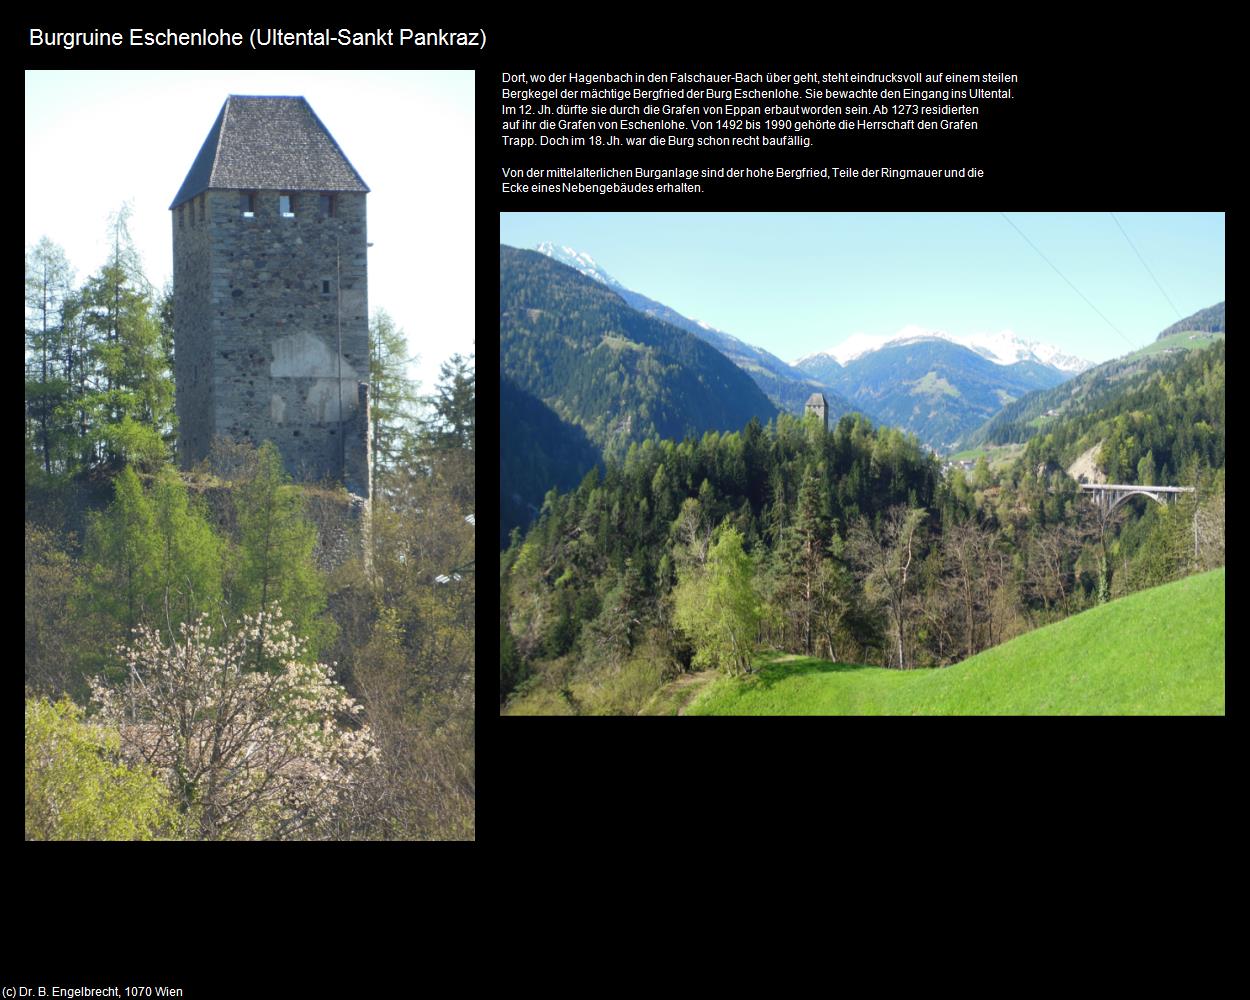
[
  {"x": 817, "y": 399},
  {"x": 270, "y": 143}
]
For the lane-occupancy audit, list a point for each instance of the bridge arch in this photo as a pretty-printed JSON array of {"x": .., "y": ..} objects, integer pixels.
[{"x": 1108, "y": 496}]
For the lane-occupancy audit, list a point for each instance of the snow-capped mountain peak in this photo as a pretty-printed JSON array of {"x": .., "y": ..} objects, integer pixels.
[
  {"x": 579, "y": 261},
  {"x": 583, "y": 262},
  {"x": 1002, "y": 347}
]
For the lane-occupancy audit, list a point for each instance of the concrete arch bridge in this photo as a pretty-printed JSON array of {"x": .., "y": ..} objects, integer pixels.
[{"x": 1108, "y": 496}]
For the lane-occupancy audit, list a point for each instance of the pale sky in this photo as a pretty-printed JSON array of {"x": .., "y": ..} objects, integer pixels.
[{"x": 95, "y": 139}]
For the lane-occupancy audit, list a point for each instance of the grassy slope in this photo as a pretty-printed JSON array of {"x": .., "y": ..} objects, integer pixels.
[
  {"x": 999, "y": 456},
  {"x": 1185, "y": 341},
  {"x": 1160, "y": 651}
]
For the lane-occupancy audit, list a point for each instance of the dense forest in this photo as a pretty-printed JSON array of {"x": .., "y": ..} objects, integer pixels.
[
  {"x": 537, "y": 452},
  {"x": 1146, "y": 434},
  {"x": 848, "y": 543},
  {"x": 194, "y": 669}
]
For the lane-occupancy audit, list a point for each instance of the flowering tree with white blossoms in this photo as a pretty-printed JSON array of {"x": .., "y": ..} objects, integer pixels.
[{"x": 246, "y": 754}]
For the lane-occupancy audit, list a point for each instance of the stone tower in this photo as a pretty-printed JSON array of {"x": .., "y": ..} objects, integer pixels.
[
  {"x": 816, "y": 404},
  {"x": 270, "y": 293}
]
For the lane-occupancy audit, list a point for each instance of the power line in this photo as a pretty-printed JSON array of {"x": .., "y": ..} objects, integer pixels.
[
  {"x": 1146, "y": 266},
  {"x": 1070, "y": 285}
]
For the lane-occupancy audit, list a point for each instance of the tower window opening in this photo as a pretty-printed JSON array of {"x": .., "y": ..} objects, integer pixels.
[
  {"x": 325, "y": 287},
  {"x": 202, "y": 207},
  {"x": 247, "y": 202},
  {"x": 327, "y": 206},
  {"x": 284, "y": 206}
]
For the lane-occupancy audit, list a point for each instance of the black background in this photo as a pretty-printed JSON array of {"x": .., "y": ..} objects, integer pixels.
[
  {"x": 1101, "y": 119},
  {"x": 1108, "y": 117}
]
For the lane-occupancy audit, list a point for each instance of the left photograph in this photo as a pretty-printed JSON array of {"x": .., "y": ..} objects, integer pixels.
[{"x": 249, "y": 453}]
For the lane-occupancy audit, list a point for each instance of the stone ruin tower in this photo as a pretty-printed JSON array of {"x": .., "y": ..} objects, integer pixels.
[
  {"x": 270, "y": 293},
  {"x": 817, "y": 404}
]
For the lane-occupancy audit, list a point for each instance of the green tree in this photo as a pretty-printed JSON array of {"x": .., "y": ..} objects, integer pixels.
[
  {"x": 620, "y": 622},
  {"x": 77, "y": 787},
  {"x": 275, "y": 565},
  {"x": 834, "y": 599},
  {"x": 452, "y": 426},
  {"x": 799, "y": 554},
  {"x": 130, "y": 407},
  {"x": 392, "y": 396},
  {"x": 718, "y": 606},
  {"x": 981, "y": 473},
  {"x": 189, "y": 554},
  {"x": 151, "y": 558},
  {"x": 122, "y": 553},
  {"x": 48, "y": 278}
]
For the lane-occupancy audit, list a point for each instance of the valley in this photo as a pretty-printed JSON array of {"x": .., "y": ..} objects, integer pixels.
[{"x": 901, "y": 502}]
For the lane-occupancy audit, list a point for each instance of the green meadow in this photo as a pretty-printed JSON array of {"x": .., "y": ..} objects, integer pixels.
[{"x": 1157, "y": 652}]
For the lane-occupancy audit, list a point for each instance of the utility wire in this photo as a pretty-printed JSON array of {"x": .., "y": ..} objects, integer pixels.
[
  {"x": 1070, "y": 285},
  {"x": 1146, "y": 266}
]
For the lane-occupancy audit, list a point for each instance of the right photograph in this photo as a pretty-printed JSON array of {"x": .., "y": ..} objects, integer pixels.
[{"x": 862, "y": 464}]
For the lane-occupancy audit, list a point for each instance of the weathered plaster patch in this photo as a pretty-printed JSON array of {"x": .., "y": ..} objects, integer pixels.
[{"x": 302, "y": 355}]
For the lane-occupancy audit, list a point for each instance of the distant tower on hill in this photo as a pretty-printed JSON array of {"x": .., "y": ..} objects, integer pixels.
[
  {"x": 816, "y": 404},
  {"x": 270, "y": 293}
]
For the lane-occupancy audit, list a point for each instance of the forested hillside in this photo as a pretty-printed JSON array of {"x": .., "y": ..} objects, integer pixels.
[
  {"x": 1023, "y": 419},
  {"x": 194, "y": 669},
  {"x": 1168, "y": 421},
  {"x": 787, "y": 386},
  {"x": 622, "y": 376},
  {"x": 1210, "y": 320},
  {"x": 848, "y": 544}
]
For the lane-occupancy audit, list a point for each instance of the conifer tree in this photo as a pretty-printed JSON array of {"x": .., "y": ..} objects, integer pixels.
[
  {"x": 123, "y": 551},
  {"x": 392, "y": 396},
  {"x": 275, "y": 564},
  {"x": 130, "y": 404},
  {"x": 48, "y": 277},
  {"x": 189, "y": 559},
  {"x": 454, "y": 407}
]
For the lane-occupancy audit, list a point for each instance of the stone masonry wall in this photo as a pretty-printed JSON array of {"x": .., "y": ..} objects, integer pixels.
[
  {"x": 192, "y": 321},
  {"x": 272, "y": 327}
]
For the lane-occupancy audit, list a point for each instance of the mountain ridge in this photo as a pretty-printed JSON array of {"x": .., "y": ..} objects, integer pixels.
[
  {"x": 1208, "y": 320},
  {"x": 1002, "y": 348},
  {"x": 787, "y": 386},
  {"x": 1029, "y": 415},
  {"x": 933, "y": 388},
  {"x": 620, "y": 375}
]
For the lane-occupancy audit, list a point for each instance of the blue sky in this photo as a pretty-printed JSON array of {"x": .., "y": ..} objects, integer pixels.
[
  {"x": 794, "y": 284},
  {"x": 97, "y": 138}
]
